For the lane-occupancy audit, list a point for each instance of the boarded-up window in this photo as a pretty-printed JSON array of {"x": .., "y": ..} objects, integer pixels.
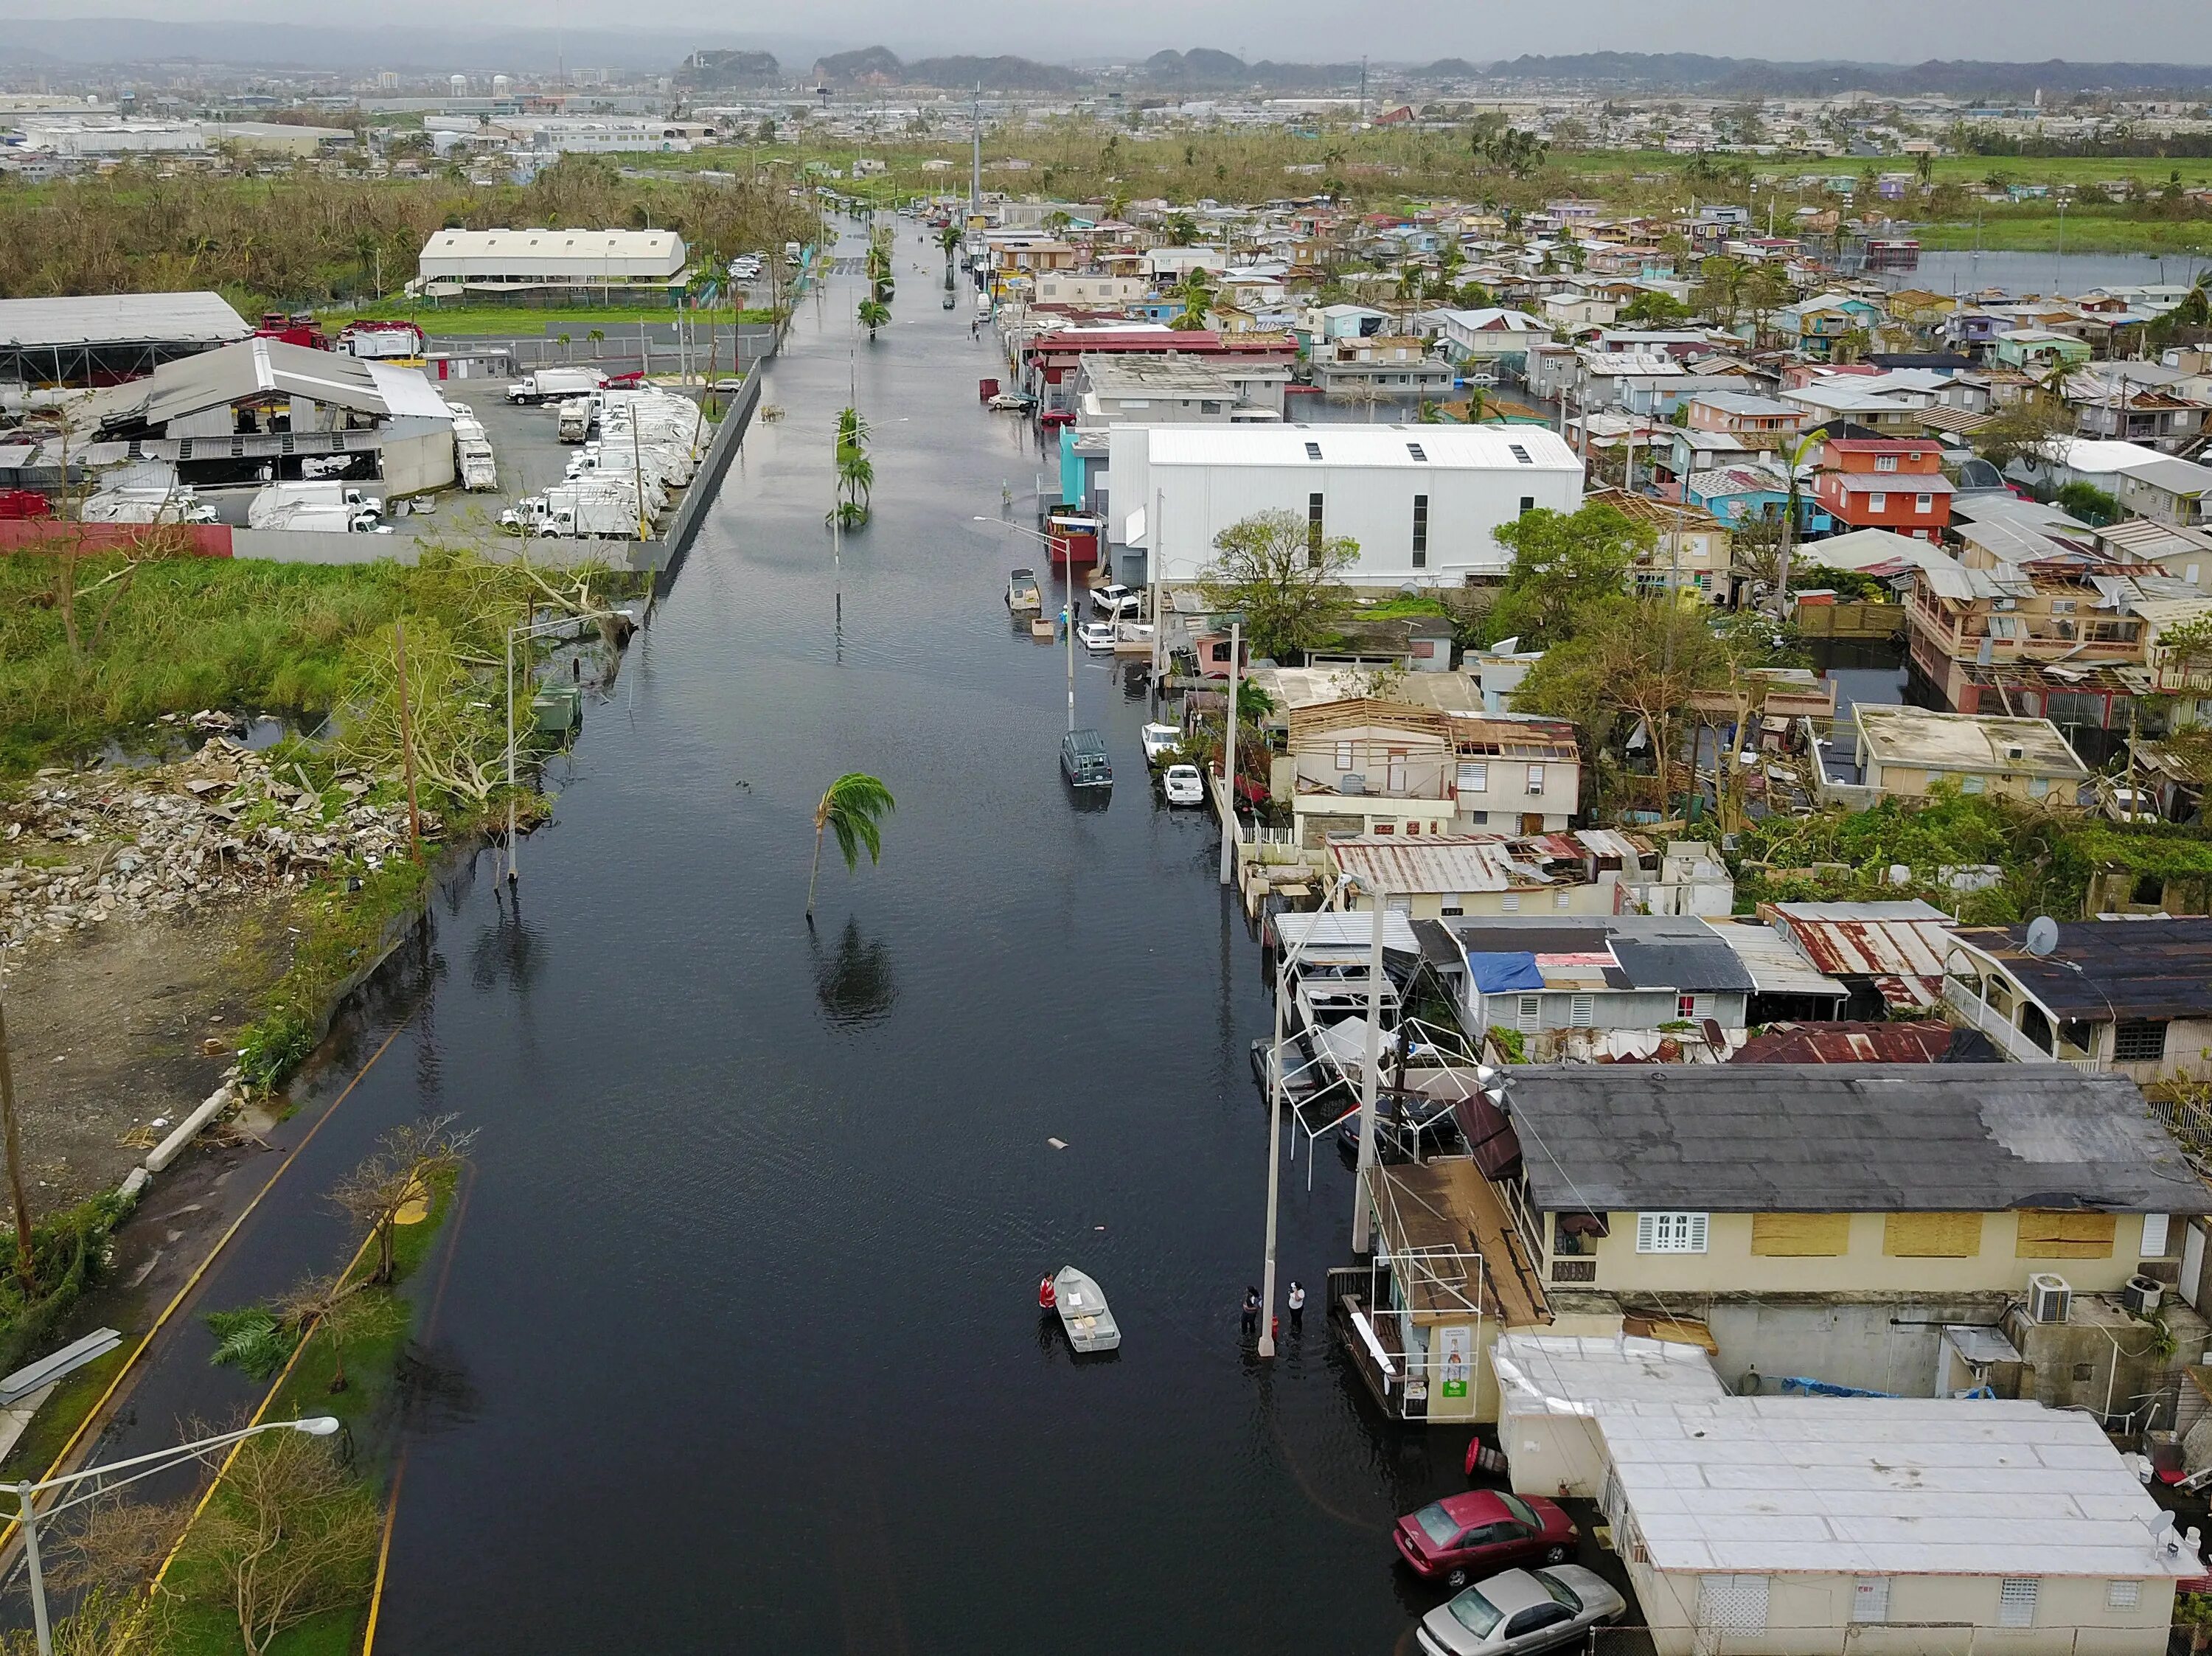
[
  {"x": 2064, "y": 1237},
  {"x": 1932, "y": 1236},
  {"x": 1823, "y": 1234}
]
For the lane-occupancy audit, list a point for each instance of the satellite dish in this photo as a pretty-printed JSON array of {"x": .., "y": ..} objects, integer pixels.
[{"x": 2042, "y": 934}]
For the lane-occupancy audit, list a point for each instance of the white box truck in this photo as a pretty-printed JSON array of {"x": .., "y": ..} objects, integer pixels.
[
  {"x": 277, "y": 500},
  {"x": 576, "y": 511},
  {"x": 554, "y": 385},
  {"x": 314, "y": 518}
]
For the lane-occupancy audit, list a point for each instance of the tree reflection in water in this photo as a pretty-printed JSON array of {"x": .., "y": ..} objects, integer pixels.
[{"x": 853, "y": 979}]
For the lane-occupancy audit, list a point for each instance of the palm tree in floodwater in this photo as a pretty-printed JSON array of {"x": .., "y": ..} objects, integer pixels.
[{"x": 851, "y": 810}]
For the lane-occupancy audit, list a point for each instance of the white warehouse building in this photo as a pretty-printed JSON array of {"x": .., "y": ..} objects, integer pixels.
[
  {"x": 493, "y": 262},
  {"x": 1424, "y": 502}
]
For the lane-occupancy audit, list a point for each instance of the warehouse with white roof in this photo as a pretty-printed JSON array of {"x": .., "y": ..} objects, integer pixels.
[
  {"x": 96, "y": 339},
  {"x": 542, "y": 262},
  {"x": 1423, "y": 502}
]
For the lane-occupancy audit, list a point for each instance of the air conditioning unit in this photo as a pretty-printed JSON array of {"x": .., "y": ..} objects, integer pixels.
[
  {"x": 2141, "y": 1295},
  {"x": 2049, "y": 1297}
]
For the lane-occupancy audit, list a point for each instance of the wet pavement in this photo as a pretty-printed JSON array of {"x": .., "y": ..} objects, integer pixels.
[{"x": 737, "y": 1345}]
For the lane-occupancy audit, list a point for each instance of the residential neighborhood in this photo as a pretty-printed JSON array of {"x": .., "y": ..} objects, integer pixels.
[{"x": 967, "y": 823}]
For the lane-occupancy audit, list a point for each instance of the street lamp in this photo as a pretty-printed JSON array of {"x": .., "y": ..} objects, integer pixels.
[
  {"x": 146, "y": 1465},
  {"x": 1069, "y": 612}
]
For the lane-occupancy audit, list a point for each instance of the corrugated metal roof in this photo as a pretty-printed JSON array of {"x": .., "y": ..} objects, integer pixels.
[
  {"x": 1369, "y": 447},
  {"x": 1928, "y": 1041},
  {"x": 1904, "y": 940},
  {"x": 1444, "y": 863},
  {"x": 1775, "y": 969},
  {"x": 120, "y": 319}
]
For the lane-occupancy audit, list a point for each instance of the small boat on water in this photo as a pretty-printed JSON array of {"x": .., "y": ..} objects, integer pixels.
[{"x": 1084, "y": 1313}]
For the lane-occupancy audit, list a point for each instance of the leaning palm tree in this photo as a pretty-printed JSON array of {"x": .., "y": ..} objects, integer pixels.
[
  {"x": 874, "y": 313},
  {"x": 1794, "y": 453},
  {"x": 850, "y": 809}
]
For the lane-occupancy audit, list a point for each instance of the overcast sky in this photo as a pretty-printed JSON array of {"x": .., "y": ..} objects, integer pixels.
[{"x": 1901, "y": 31}]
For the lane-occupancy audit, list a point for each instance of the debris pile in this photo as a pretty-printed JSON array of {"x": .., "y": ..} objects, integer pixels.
[{"x": 78, "y": 847}]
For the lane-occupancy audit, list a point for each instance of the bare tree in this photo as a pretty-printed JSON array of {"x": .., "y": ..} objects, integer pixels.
[
  {"x": 290, "y": 1534},
  {"x": 331, "y": 1308},
  {"x": 407, "y": 1161}
]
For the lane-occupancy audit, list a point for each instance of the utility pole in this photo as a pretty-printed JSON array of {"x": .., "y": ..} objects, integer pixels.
[
  {"x": 975, "y": 162},
  {"x": 1229, "y": 760},
  {"x": 407, "y": 740},
  {"x": 15, "y": 1146},
  {"x": 1362, "y": 1238}
]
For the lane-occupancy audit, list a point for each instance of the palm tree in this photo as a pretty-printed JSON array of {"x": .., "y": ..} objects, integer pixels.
[
  {"x": 850, "y": 809},
  {"x": 1794, "y": 453},
  {"x": 1196, "y": 292},
  {"x": 874, "y": 313}
]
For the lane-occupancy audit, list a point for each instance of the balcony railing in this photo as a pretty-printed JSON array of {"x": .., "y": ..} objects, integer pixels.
[{"x": 1980, "y": 1015}]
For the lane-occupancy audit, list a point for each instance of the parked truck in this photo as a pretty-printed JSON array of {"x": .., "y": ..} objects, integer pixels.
[
  {"x": 381, "y": 341},
  {"x": 140, "y": 504},
  {"x": 575, "y": 420},
  {"x": 554, "y": 385},
  {"x": 575, "y": 511},
  {"x": 324, "y": 518},
  {"x": 277, "y": 501}
]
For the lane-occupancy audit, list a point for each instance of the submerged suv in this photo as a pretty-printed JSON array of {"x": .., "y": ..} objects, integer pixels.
[{"x": 1083, "y": 759}]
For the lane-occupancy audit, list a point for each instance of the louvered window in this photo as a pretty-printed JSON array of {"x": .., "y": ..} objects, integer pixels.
[
  {"x": 1870, "y": 1598},
  {"x": 1670, "y": 1233},
  {"x": 2016, "y": 1601}
]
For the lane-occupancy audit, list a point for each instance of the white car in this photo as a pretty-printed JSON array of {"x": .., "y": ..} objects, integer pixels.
[
  {"x": 1183, "y": 786},
  {"x": 1115, "y": 600},
  {"x": 1095, "y": 635},
  {"x": 1160, "y": 740},
  {"x": 1522, "y": 1611}
]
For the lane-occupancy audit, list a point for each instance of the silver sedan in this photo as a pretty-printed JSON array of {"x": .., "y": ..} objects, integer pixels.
[{"x": 1521, "y": 1612}]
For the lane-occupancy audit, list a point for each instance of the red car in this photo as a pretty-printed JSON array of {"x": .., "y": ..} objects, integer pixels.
[{"x": 1482, "y": 1531}]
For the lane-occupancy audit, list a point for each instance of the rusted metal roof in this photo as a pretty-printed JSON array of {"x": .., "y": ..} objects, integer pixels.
[
  {"x": 1929, "y": 1041},
  {"x": 1899, "y": 945},
  {"x": 1454, "y": 863}
]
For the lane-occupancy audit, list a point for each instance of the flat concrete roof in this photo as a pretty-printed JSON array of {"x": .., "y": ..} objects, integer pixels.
[
  {"x": 1967, "y": 742},
  {"x": 1881, "y": 1486}
]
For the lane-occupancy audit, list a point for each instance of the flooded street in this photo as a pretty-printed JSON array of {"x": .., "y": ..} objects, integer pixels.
[{"x": 737, "y": 1347}]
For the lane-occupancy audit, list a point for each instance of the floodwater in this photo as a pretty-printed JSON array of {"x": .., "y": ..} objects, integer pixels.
[
  {"x": 2026, "y": 274},
  {"x": 737, "y": 1347}
]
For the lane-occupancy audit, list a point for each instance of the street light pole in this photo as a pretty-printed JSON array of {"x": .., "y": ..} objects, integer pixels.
[
  {"x": 139, "y": 1466},
  {"x": 1371, "y": 1071},
  {"x": 1229, "y": 761}
]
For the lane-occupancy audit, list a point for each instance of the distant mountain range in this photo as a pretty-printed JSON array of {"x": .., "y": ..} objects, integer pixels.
[{"x": 717, "y": 60}]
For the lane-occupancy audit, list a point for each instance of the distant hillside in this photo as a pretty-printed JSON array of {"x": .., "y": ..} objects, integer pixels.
[
  {"x": 1204, "y": 70},
  {"x": 713, "y": 71},
  {"x": 1689, "y": 72},
  {"x": 869, "y": 63},
  {"x": 994, "y": 74}
]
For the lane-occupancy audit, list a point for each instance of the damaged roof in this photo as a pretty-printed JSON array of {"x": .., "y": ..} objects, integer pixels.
[
  {"x": 1862, "y": 1138},
  {"x": 2106, "y": 969}
]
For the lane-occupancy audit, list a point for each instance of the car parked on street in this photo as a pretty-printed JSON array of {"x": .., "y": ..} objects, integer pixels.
[
  {"x": 1464, "y": 1536},
  {"x": 1183, "y": 786},
  {"x": 1095, "y": 635},
  {"x": 1520, "y": 1612},
  {"x": 1160, "y": 740}
]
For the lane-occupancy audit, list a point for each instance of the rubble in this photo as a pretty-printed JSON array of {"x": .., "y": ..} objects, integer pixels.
[{"x": 97, "y": 845}]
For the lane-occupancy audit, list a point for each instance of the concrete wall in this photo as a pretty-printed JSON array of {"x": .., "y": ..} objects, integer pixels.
[
  {"x": 707, "y": 483},
  {"x": 1810, "y": 1615}
]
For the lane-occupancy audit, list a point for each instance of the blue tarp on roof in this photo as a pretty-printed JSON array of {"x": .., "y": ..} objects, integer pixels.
[{"x": 1493, "y": 972}]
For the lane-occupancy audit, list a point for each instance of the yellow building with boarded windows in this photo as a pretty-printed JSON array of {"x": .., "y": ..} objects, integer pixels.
[{"x": 1902, "y": 1228}]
